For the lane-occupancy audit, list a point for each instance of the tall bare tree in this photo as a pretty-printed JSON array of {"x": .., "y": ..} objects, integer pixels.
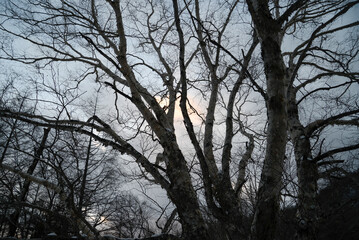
[{"x": 211, "y": 65}]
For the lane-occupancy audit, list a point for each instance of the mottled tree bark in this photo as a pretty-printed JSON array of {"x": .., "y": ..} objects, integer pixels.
[
  {"x": 267, "y": 207},
  {"x": 307, "y": 172},
  {"x": 182, "y": 194}
]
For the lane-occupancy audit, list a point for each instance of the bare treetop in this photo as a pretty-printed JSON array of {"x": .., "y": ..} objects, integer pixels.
[{"x": 216, "y": 102}]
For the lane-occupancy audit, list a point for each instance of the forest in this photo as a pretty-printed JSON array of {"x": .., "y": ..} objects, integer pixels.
[{"x": 179, "y": 119}]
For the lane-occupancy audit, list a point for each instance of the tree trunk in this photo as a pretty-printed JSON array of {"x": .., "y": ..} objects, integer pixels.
[
  {"x": 307, "y": 173},
  {"x": 307, "y": 201},
  {"x": 183, "y": 195},
  {"x": 267, "y": 207}
]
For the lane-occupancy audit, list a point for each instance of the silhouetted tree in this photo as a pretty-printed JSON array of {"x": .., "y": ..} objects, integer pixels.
[{"x": 251, "y": 77}]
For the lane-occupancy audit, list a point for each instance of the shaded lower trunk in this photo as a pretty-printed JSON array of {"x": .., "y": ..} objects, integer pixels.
[
  {"x": 307, "y": 200},
  {"x": 228, "y": 200},
  {"x": 267, "y": 209},
  {"x": 307, "y": 172},
  {"x": 183, "y": 195},
  {"x": 193, "y": 225}
]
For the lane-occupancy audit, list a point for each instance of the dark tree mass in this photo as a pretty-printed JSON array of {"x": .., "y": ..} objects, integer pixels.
[{"x": 179, "y": 119}]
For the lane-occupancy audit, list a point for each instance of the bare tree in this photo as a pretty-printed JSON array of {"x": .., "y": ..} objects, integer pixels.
[
  {"x": 203, "y": 61},
  {"x": 272, "y": 27}
]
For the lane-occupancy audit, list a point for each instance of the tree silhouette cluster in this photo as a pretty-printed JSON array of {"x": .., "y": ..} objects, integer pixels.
[{"x": 230, "y": 117}]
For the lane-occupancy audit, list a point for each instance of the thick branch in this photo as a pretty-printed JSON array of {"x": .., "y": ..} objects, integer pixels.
[
  {"x": 310, "y": 128},
  {"x": 335, "y": 151}
]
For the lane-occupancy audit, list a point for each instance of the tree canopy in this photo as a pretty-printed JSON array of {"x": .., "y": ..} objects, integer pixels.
[{"x": 236, "y": 109}]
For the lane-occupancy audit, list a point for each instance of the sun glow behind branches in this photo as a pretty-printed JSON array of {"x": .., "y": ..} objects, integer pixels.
[{"x": 195, "y": 110}]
